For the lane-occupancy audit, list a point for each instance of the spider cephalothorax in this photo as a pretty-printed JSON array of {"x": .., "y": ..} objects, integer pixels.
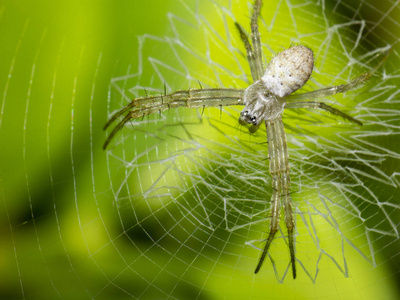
[{"x": 288, "y": 71}]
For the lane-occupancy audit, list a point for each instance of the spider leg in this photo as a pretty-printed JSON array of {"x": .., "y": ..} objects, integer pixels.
[
  {"x": 119, "y": 113},
  {"x": 287, "y": 201},
  {"x": 279, "y": 170},
  {"x": 321, "y": 105},
  {"x": 273, "y": 228},
  {"x": 255, "y": 37},
  {"x": 289, "y": 220},
  {"x": 196, "y": 98},
  {"x": 249, "y": 51},
  {"x": 254, "y": 57},
  {"x": 116, "y": 129}
]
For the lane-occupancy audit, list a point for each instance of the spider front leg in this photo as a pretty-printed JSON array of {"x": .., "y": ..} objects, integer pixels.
[
  {"x": 279, "y": 170},
  {"x": 286, "y": 199},
  {"x": 141, "y": 107},
  {"x": 274, "y": 222}
]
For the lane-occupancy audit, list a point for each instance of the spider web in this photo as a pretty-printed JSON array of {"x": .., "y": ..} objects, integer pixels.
[{"x": 178, "y": 206}]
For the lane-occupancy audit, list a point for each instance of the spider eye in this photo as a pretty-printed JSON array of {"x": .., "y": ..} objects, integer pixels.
[{"x": 253, "y": 120}]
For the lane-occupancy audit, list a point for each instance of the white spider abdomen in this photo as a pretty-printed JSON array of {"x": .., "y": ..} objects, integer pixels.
[{"x": 288, "y": 71}]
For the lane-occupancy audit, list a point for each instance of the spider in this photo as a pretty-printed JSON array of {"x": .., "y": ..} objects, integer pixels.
[{"x": 264, "y": 102}]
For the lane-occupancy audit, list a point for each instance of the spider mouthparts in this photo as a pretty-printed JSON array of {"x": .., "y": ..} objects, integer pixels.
[{"x": 254, "y": 128}]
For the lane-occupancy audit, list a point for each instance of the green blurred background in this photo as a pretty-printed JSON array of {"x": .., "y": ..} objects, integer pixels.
[{"x": 60, "y": 231}]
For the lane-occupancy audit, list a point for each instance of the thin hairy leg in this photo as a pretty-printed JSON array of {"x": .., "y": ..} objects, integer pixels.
[
  {"x": 255, "y": 37},
  {"x": 286, "y": 200},
  {"x": 249, "y": 52},
  {"x": 117, "y": 128},
  {"x": 321, "y": 105},
  {"x": 274, "y": 163},
  {"x": 290, "y": 224},
  {"x": 273, "y": 227},
  {"x": 279, "y": 170},
  {"x": 192, "y": 98},
  {"x": 189, "y": 98}
]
